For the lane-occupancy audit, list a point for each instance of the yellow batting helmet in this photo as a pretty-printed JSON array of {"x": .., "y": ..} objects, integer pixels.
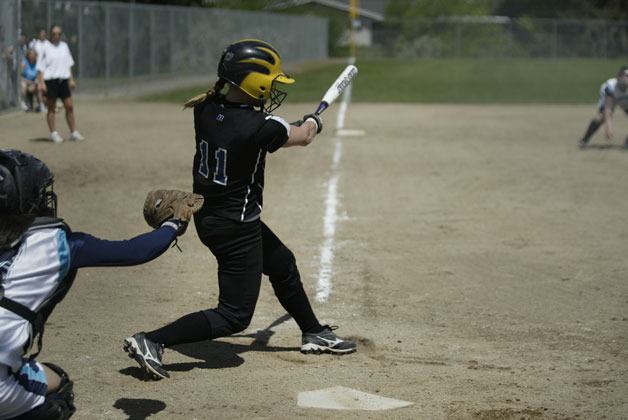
[{"x": 254, "y": 66}]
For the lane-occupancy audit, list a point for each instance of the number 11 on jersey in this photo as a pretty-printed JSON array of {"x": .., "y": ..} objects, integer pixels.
[{"x": 220, "y": 173}]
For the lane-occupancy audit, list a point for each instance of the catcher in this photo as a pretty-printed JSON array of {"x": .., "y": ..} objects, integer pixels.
[{"x": 39, "y": 259}]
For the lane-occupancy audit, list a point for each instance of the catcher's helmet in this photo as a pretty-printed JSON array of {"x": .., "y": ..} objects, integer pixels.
[
  {"x": 26, "y": 185},
  {"x": 255, "y": 67}
]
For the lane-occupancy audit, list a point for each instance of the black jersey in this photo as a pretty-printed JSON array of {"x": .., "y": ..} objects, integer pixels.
[{"x": 231, "y": 145}]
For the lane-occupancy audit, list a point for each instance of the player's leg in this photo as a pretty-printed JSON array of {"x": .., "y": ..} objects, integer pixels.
[
  {"x": 36, "y": 391},
  {"x": 52, "y": 87},
  {"x": 238, "y": 250},
  {"x": 68, "y": 103},
  {"x": 594, "y": 125},
  {"x": 281, "y": 268},
  {"x": 626, "y": 140},
  {"x": 24, "y": 95}
]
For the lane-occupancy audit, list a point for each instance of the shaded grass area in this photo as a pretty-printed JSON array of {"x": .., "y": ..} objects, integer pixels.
[{"x": 561, "y": 81}]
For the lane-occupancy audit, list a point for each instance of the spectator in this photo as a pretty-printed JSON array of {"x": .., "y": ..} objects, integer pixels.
[
  {"x": 54, "y": 68},
  {"x": 22, "y": 46},
  {"x": 38, "y": 43},
  {"x": 29, "y": 82}
]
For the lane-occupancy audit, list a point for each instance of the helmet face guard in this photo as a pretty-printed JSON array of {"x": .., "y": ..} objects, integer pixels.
[
  {"x": 26, "y": 185},
  {"x": 49, "y": 203},
  {"x": 276, "y": 98}
]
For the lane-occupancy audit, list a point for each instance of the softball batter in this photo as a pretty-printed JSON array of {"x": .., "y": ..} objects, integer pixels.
[
  {"x": 234, "y": 132},
  {"x": 613, "y": 92}
]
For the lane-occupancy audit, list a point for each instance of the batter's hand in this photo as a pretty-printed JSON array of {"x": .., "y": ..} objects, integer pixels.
[{"x": 316, "y": 119}]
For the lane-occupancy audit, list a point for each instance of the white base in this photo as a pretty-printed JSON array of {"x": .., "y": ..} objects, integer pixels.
[
  {"x": 347, "y": 132},
  {"x": 341, "y": 398}
]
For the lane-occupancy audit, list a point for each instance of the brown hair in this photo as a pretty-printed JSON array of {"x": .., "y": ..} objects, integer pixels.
[
  {"x": 192, "y": 102},
  {"x": 12, "y": 227}
]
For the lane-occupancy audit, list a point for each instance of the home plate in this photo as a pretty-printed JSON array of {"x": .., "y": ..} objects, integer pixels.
[
  {"x": 347, "y": 132},
  {"x": 341, "y": 398}
]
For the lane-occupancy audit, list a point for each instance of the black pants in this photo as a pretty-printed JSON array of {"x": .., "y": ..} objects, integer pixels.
[{"x": 244, "y": 251}]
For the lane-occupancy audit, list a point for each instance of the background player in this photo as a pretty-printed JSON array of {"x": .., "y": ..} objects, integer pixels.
[
  {"x": 54, "y": 65},
  {"x": 233, "y": 134},
  {"x": 39, "y": 258},
  {"x": 613, "y": 92}
]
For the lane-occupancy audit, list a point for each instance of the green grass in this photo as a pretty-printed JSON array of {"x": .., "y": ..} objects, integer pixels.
[{"x": 562, "y": 81}]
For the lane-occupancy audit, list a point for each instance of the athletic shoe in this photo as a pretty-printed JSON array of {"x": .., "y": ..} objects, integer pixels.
[
  {"x": 55, "y": 137},
  {"x": 582, "y": 144},
  {"x": 76, "y": 136},
  {"x": 24, "y": 106},
  {"x": 326, "y": 341},
  {"x": 147, "y": 354}
]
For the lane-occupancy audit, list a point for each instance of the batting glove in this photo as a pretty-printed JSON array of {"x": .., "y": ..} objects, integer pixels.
[{"x": 316, "y": 119}]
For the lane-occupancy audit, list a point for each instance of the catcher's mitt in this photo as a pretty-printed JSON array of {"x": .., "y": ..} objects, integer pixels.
[{"x": 163, "y": 205}]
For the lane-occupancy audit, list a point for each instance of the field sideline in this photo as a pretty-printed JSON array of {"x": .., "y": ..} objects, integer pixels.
[{"x": 561, "y": 81}]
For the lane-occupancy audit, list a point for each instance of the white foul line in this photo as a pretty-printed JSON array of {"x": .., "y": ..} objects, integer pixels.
[{"x": 323, "y": 289}]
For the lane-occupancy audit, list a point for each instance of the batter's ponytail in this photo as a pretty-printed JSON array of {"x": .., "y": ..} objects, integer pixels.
[{"x": 192, "y": 102}]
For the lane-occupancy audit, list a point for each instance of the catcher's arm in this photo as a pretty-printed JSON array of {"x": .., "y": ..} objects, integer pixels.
[{"x": 89, "y": 251}]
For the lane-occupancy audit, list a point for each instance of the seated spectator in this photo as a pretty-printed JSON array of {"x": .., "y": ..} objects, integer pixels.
[{"x": 30, "y": 87}]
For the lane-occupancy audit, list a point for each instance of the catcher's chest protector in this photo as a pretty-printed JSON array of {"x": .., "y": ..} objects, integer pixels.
[{"x": 43, "y": 259}]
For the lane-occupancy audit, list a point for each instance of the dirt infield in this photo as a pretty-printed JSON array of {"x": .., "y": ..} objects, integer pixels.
[{"x": 480, "y": 260}]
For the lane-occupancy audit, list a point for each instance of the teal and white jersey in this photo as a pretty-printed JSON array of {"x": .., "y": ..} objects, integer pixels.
[
  {"x": 29, "y": 277},
  {"x": 610, "y": 89}
]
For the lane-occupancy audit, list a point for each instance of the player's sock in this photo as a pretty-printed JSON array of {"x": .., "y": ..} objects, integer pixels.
[
  {"x": 187, "y": 329},
  {"x": 593, "y": 126}
]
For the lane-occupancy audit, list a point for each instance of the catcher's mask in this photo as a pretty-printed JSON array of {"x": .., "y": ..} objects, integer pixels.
[
  {"x": 254, "y": 66},
  {"x": 26, "y": 185}
]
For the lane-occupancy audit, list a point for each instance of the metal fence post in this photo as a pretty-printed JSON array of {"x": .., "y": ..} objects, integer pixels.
[
  {"x": 555, "y": 39},
  {"x": 79, "y": 30},
  {"x": 605, "y": 29},
  {"x": 171, "y": 38},
  {"x": 458, "y": 39},
  {"x": 511, "y": 38},
  {"x": 48, "y": 15},
  {"x": 188, "y": 48},
  {"x": 107, "y": 46},
  {"x": 151, "y": 30},
  {"x": 18, "y": 31},
  {"x": 131, "y": 30}
]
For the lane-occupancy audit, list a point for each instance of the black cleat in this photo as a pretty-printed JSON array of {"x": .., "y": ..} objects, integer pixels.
[
  {"x": 326, "y": 341},
  {"x": 147, "y": 354}
]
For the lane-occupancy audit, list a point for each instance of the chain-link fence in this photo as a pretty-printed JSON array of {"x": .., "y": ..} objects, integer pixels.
[
  {"x": 117, "y": 42},
  {"x": 9, "y": 53},
  {"x": 499, "y": 37}
]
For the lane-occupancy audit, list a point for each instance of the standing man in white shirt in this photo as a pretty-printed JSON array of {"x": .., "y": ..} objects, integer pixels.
[
  {"x": 54, "y": 68},
  {"x": 38, "y": 43}
]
